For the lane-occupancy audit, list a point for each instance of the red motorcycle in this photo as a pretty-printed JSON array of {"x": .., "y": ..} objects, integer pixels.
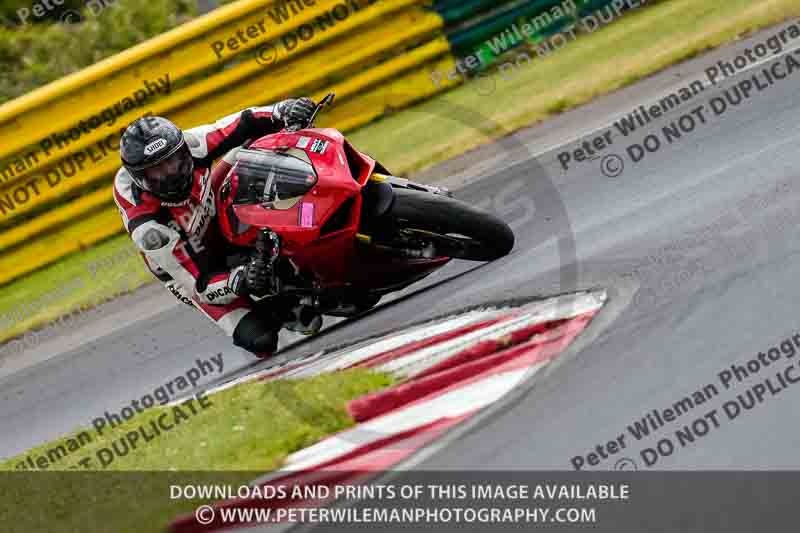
[{"x": 339, "y": 231}]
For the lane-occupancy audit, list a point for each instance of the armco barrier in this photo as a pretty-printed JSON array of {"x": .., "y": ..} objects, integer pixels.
[
  {"x": 372, "y": 39},
  {"x": 58, "y": 170},
  {"x": 60, "y": 142},
  {"x": 545, "y": 18}
]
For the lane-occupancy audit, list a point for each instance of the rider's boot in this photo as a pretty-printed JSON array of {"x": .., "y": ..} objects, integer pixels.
[
  {"x": 258, "y": 334},
  {"x": 304, "y": 320}
]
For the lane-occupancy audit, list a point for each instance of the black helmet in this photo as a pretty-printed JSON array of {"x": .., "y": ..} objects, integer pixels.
[{"x": 155, "y": 154}]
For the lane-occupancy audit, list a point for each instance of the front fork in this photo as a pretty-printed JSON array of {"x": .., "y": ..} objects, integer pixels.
[
  {"x": 261, "y": 276},
  {"x": 268, "y": 245},
  {"x": 268, "y": 249}
]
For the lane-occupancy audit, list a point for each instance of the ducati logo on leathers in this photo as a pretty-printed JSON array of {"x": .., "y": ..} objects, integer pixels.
[
  {"x": 195, "y": 217},
  {"x": 201, "y": 217},
  {"x": 218, "y": 293},
  {"x": 204, "y": 211},
  {"x": 179, "y": 296}
]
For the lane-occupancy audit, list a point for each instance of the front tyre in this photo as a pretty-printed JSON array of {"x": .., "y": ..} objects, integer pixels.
[{"x": 457, "y": 229}]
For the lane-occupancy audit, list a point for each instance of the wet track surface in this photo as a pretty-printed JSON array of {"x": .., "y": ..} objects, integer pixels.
[{"x": 696, "y": 244}]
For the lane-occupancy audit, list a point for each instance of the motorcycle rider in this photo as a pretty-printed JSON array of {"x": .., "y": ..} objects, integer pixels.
[{"x": 166, "y": 191}]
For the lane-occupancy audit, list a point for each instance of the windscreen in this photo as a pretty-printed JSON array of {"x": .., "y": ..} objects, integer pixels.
[{"x": 270, "y": 176}]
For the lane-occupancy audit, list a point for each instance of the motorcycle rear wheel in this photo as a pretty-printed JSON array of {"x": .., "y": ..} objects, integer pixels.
[{"x": 485, "y": 237}]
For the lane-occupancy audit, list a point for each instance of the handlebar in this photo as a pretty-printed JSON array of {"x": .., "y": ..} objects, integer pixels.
[{"x": 328, "y": 100}]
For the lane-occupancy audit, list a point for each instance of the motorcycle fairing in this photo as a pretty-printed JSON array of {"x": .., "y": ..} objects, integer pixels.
[{"x": 322, "y": 240}]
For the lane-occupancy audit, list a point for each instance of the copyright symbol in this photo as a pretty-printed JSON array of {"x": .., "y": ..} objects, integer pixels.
[
  {"x": 625, "y": 464},
  {"x": 71, "y": 16},
  {"x": 266, "y": 54},
  {"x": 485, "y": 84},
  {"x": 204, "y": 514},
  {"x": 612, "y": 166}
]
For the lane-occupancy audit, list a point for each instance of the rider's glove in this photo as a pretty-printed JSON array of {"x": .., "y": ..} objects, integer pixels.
[
  {"x": 257, "y": 277},
  {"x": 253, "y": 278},
  {"x": 294, "y": 111}
]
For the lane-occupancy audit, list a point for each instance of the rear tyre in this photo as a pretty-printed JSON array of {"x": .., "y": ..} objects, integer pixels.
[{"x": 465, "y": 232}]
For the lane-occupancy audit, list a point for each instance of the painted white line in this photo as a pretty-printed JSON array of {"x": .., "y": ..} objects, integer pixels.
[
  {"x": 561, "y": 307},
  {"x": 418, "y": 361},
  {"x": 558, "y": 308},
  {"x": 348, "y": 357},
  {"x": 328, "y": 362}
]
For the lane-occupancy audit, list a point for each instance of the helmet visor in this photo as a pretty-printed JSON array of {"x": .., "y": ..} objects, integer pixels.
[{"x": 170, "y": 178}]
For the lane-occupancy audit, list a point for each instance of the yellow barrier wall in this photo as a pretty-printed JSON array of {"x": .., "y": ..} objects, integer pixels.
[
  {"x": 94, "y": 155},
  {"x": 377, "y": 57}
]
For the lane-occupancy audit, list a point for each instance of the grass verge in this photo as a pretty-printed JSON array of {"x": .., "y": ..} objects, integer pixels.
[
  {"x": 641, "y": 43},
  {"x": 80, "y": 281},
  {"x": 241, "y": 433}
]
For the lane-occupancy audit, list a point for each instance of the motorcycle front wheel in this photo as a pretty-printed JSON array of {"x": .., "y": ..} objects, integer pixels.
[{"x": 457, "y": 229}]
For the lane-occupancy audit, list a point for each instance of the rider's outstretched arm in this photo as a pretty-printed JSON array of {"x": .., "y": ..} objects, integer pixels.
[{"x": 211, "y": 141}]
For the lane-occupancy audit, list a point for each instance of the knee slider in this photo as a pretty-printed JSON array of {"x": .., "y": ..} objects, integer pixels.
[
  {"x": 152, "y": 236},
  {"x": 256, "y": 334},
  {"x": 154, "y": 239}
]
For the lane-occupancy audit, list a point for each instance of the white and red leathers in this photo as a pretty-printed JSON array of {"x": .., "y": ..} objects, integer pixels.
[{"x": 193, "y": 260}]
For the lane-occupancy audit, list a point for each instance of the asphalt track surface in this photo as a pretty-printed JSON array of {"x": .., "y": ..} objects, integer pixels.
[{"x": 686, "y": 301}]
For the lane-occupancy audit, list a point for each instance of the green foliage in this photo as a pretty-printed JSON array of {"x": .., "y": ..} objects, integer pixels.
[
  {"x": 18, "y": 12},
  {"x": 35, "y": 54}
]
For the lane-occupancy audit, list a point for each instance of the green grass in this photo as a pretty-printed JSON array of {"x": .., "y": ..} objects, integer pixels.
[
  {"x": 244, "y": 432},
  {"x": 79, "y": 281},
  {"x": 641, "y": 43}
]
